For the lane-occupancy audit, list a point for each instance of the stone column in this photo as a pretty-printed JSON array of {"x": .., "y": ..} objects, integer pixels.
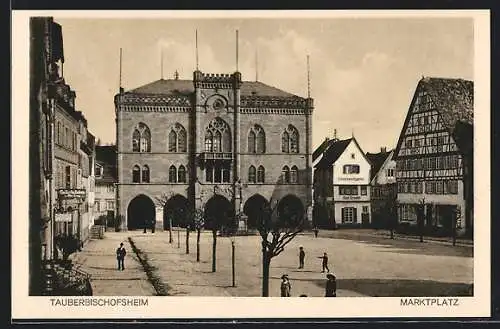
[
  {"x": 308, "y": 114},
  {"x": 237, "y": 139}
]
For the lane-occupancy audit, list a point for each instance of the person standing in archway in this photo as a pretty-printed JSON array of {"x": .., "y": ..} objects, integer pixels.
[{"x": 120, "y": 256}]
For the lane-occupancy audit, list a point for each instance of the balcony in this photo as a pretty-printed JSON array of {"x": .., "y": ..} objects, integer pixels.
[{"x": 216, "y": 156}]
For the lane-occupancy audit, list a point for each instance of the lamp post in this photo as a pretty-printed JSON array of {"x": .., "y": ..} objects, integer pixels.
[
  {"x": 233, "y": 260},
  {"x": 170, "y": 240}
]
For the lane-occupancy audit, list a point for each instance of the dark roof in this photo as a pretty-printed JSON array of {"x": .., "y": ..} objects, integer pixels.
[
  {"x": 333, "y": 151},
  {"x": 377, "y": 160},
  {"x": 185, "y": 87},
  {"x": 320, "y": 149},
  {"x": 106, "y": 157},
  {"x": 454, "y": 99}
]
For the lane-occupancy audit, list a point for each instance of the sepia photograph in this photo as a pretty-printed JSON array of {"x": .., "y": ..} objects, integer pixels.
[{"x": 254, "y": 155}]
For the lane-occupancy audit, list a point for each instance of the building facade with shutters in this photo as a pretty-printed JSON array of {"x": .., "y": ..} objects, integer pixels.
[
  {"x": 434, "y": 156},
  {"x": 105, "y": 181},
  {"x": 383, "y": 187},
  {"x": 342, "y": 184},
  {"x": 215, "y": 142}
]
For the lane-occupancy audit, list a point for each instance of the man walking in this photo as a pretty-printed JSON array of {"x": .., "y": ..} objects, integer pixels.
[
  {"x": 315, "y": 230},
  {"x": 120, "y": 256},
  {"x": 302, "y": 256},
  {"x": 325, "y": 263}
]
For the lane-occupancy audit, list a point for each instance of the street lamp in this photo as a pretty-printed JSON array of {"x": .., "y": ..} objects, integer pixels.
[{"x": 233, "y": 259}]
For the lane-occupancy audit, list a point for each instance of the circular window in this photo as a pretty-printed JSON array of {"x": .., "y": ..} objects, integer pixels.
[{"x": 218, "y": 105}]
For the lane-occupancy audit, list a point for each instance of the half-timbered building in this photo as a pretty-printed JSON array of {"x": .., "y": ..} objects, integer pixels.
[{"x": 434, "y": 156}]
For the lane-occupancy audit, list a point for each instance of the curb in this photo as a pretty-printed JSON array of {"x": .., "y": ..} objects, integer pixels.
[{"x": 155, "y": 281}]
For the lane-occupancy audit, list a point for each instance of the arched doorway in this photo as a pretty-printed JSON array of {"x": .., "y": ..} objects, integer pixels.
[
  {"x": 219, "y": 213},
  {"x": 290, "y": 211},
  {"x": 254, "y": 208},
  {"x": 175, "y": 211},
  {"x": 141, "y": 213}
]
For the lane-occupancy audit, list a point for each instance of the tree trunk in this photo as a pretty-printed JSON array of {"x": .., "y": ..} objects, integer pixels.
[
  {"x": 187, "y": 240},
  {"x": 214, "y": 248},
  {"x": 198, "y": 245},
  {"x": 266, "y": 264},
  {"x": 170, "y": 240}
]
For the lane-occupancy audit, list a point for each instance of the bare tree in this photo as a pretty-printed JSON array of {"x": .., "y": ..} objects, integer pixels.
[
  {"x": 276, "y": 231},
  {"x": 162, "y": 201},
  {"x": 198, "y": 219}
]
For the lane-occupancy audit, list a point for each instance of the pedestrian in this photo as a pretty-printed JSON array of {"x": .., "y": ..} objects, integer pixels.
[
  {"x": 120, "y": 256},
  {"x": 302, "y": 256},
  {"x": 331, "y": 286},
  {"x": 324, "y": 263},
  {"x": 286, "y": 287},
  {"x": 315, "y": 229}
]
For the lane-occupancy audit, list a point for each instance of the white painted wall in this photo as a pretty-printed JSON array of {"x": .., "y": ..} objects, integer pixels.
[{"x": 363, "y": 178}]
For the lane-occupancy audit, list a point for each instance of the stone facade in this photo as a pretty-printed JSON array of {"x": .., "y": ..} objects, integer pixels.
[{"x": 193, "y": 140}]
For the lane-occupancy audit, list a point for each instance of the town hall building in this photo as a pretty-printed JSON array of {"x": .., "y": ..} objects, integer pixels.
[{"x": 217, "y": 143}]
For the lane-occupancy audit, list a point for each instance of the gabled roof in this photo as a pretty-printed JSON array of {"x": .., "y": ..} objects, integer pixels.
[
  {"x": 332, "y": 151},
  {"x": 453, "y": 100},
  {"x": 377, "y": 160},
  {"x": 106, "y": 157},
  {"x": 173, "y": 87},
  {"x": 320, "y": 149}
]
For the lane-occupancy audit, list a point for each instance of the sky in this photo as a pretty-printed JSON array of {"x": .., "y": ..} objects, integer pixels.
[{"x": 363, "y": 71}]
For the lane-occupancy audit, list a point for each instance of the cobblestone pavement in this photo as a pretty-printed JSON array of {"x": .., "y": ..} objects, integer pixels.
[
  {"x": 98, "y": 258},
  {"x": 364, "y": 267}
]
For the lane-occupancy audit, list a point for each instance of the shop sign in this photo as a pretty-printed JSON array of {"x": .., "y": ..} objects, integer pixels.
[
  {"x": 63, "y": 217},
  {"x": 351, "y": 197},
  {"x": 72, "y": 193}
]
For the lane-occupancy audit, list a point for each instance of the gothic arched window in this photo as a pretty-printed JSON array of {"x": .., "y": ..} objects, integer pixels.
[
  {"x": 172, "y": 174},
  {"x": 177, "y": 141},
  {"x": 172, "y": 141},
  {"x": 141, "y": 138},
  {"x": 286, "y": 174},
  {"x": 251, "y": 174},
  {"x": 136, "y": 137},
  {"x": 208, "y": 141},
  {"x": 182, "y": 140},
  {"x": 145, "y": 174},
  {"x": 290, "y": 140},
  {"x": 256, "y": 140},
  {"x": 181, "y": 174},
  {"x": 218, "y": 136},
  {"x": 261, "y": 173},
  {"x": 251, "y": 142},
  {"x": 261, "y": 141},
  {"x": 136, "y": 174},
  {"x": 294, "y": 175},
  {"x": 285, "y": 142}
]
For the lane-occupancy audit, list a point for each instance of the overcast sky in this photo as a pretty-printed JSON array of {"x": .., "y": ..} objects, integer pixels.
[{"x": 363, "y": 71}]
